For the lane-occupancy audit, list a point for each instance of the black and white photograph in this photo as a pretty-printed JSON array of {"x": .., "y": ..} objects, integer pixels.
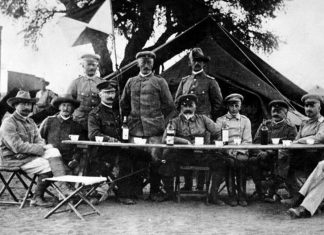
[{"x": 161, "y": 117}]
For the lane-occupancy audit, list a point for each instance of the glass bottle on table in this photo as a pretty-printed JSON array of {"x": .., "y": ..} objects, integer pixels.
[
  {"x": 125, "y": 130},
  {"x": 225, "y": 133},
  {"x": 170, "y": 133},
  {"x": 264, "y": 133}
]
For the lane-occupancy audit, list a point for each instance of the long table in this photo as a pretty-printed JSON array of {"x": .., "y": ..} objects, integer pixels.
[{"x": 195, "y": 147}]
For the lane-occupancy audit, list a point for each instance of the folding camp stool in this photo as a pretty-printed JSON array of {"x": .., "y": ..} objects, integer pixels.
[
  {"x": 202, "y": 193},
  {"x": 22, "y": 177},
  {"x": 82, "y": 182}
]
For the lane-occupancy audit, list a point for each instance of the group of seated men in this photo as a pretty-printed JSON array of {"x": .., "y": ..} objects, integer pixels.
[{"x": 146, "y": 101}]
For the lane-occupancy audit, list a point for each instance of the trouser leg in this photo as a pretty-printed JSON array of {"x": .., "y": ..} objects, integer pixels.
[
  {"x": 241, "y": 182},
  {"x": 230, "y": 182},
  {"x": 57, "y": 166}
]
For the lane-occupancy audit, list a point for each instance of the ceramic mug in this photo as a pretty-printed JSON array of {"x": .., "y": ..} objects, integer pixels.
[{"x": 74, "y": 137}]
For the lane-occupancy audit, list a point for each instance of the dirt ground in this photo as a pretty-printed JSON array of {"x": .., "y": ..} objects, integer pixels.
[{"x": 188, "y": 217}]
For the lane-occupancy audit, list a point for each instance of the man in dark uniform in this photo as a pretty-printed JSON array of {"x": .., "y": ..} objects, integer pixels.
[
  {"x": 189, "y": 125},
  {"x": 56, "y": 128},
  {"x": 265, "y": 160},
  {"x": 147, "y": 102},
  {"x": 84, "y": 89},
  {"x": 104, "y": 120},
  {"x": 207, "y": 90}
]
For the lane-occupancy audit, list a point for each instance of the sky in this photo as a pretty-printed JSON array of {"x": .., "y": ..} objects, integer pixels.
[{"x": 300, "y": 56}]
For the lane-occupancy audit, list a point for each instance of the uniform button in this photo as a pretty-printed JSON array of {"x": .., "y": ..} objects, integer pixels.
[
  {"x": 195, "y": 79},
  {"x": 191, "y": 92}
]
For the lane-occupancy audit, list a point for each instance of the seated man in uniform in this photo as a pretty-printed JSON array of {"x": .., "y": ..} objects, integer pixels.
[
  {"x": 22, "y": 146},
  {"x": 310, "y": 130},
  {"x": 239, "y": 127},
  {"x": 56, "y": 128},
  {"x": 189, "y": 125},
  {"x": 104, "y": 120},
  {"x": 265, "y": 160}
]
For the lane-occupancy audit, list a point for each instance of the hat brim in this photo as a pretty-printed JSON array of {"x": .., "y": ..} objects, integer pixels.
[
  {"x": 58, "y": 101},
  {"x": 15, "y": 100}
]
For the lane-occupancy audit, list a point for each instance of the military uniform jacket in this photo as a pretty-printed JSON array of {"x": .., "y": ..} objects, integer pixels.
[
  {"x": 146, "y": 101},
  {"x": 19, "y": 140},
  {"x": 206, "y": 89},
  {"x": 84, "y": 89},
  {"x": 103, "y": 121},
  {"x": 311, "y": 129},
  {"x": 283, "y": 130}
]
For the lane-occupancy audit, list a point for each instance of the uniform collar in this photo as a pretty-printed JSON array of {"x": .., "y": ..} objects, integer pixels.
[
  {"x": 278, "y": 123},
  {"x": 90, "y": 78},
  {"x": 230, "y": 116},
  {"x": 146, "y": 75},
  {"x": 192, "y": 119},
  {"x": 62, "y": 119},
  {"x": 19, "y": 117},
  {"x": 198, "y": 72},
  {"x": 320, "y": 119},
  {"x": 105, "y": 105}
]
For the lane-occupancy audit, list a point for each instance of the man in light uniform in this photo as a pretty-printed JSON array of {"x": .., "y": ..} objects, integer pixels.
[
  {"x": 147, "y": 101},
  {"x": 84, "y": 89}
]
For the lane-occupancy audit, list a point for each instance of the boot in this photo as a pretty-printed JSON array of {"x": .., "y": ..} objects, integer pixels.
[
  {"x": 217, "y": 179},
  {"x": 230, "y": 184},
  {"x": 241, "y": 186},
  {"x": 38, "y": 199},
  {"x": 58, "y": 169},
  {"x": 168, "y": 187}
]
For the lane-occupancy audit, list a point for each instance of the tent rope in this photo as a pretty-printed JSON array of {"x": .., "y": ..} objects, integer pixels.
[{"x": 245, "y": 55}]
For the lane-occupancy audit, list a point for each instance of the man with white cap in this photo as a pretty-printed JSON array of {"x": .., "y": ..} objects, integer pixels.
[
  {"x": 147, "y": 101},
  {"x": 22, "y": 146},
  {"x": 239, "y": 126},
  {"x": 84, "y": 89},
  {"x": 310, "y": 131}
]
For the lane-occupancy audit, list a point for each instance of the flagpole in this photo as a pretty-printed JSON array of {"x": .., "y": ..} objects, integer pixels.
[{"x": 115, "y": 55}]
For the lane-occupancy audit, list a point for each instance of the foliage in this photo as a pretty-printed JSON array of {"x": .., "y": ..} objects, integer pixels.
[{"x": 138, "y": 19}]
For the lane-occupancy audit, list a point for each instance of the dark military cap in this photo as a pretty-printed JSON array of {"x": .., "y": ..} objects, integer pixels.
[
  {"x": 90, "y": 56},
  {"x": 198, "y": 55},
  {"x": 108, "y": 85},
  {"x": 312, "y": 98},
  {"x": 233, "y": 98},
  {"x": 278, "y": 104},
  {"x": 146, "y": 54},
  {"x": 186, "y": 98}
]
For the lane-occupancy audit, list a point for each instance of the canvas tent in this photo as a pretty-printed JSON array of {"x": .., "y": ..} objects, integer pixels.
[{"x": 235, "y": 67}]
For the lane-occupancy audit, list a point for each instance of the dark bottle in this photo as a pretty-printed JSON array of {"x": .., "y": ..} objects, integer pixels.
[
  {"x": 170, "y": 133},
  {"x": 225, "y": 133},
  {"x": 125, "y": 130},
  {"x": 264, "y": 133}
]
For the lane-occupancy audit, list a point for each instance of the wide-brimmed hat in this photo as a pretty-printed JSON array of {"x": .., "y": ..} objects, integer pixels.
[
  {"x": 65, "y": 99},
  {"x": 21, "y": 97},
  {"x": 197, "y": 54}
]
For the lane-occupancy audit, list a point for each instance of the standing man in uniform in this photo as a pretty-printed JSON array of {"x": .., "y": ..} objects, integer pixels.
[
  {"x": 44, "y": 96},
  {"x": 265, "y": 160},
  {"x": 84, "y": 89},
  {"x": 208, "y": 92},
  {"x": 147, "y": 101}
]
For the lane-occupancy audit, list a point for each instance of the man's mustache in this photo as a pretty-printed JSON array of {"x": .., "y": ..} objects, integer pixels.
[{"x": 188, "y": 111}]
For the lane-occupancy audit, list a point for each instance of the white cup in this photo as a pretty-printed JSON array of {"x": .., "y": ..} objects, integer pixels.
[
  {"x": 275, "y": 140},
  {"x": 74, "y": 137},
  {"x": 219, "y": 143},
  {"x": 138, "y": 140},
  {"x": 237, "y": 140},
  {"x": 199, "y": 140},
  {"x": 310, "y": 141},
  {"x": 99, "y": 138},
  {"x": 286, "y": 142}
]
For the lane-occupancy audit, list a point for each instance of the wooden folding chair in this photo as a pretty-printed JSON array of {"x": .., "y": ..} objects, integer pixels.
[
  {"x": 80, "y": 192},
  {"x": 16, "y": 172}
]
